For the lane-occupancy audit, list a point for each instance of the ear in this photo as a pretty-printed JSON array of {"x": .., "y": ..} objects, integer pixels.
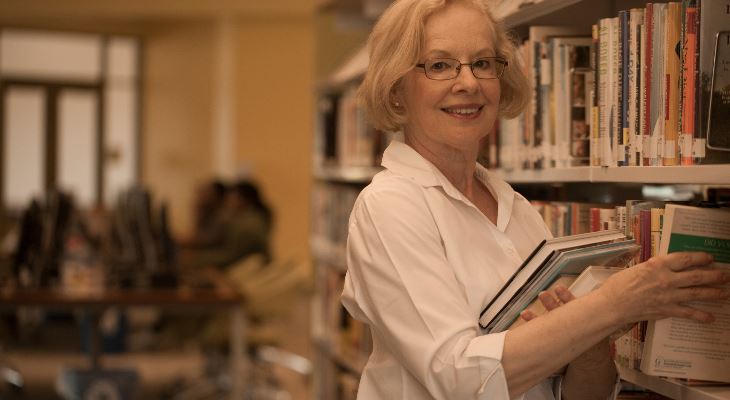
[{"x": 396, "y": 97}]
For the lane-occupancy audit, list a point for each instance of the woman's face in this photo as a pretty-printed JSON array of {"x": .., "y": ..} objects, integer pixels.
[{"x": 458, "y": 112}]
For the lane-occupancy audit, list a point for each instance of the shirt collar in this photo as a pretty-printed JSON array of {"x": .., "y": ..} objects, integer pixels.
[{"x": 402, "y": 159}]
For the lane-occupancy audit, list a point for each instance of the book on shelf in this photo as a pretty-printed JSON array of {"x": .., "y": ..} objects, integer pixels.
[
  {"x": 579, "y": 285},
  {"x": 550, "y": 259},
  {"x": 653, "y": 90},
  {"x": 681, "y": 348}
]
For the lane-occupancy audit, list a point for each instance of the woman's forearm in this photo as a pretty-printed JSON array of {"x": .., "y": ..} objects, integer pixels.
[{"x": 533, "y": 351}]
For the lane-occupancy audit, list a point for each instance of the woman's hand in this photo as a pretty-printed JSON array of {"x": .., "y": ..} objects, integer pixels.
[{"x": 660, "y": 287}]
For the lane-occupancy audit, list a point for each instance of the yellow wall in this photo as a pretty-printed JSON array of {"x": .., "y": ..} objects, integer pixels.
[
  {"x": 176, "y": 140},
  {"x": 274, "y": 79},
  {"x": 275, "y": 61},
  {"x": 274, "y": 74}
]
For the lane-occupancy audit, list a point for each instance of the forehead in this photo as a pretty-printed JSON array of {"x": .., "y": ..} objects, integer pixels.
[{"x": 458, "y": 28}]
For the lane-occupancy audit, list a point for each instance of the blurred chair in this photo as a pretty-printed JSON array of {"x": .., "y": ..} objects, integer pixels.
[{"x": 269, "y": 290}]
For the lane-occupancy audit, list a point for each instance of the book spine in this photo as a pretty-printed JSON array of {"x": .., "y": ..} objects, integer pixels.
[
  {"x": 634, "y": 86},
  {"x": 647, "y": 93},
  {"x": 673, "y": 23},
  {"x": 658, "y": 85},
  {"x": 615, "y": 79},
  {"x": 622, "y": 149},
  {"x": 595, "y": 148},
  {"x": 645, "y": 227},
  {"x": 689, "y": 72},
  {"x": 656, "y": 229},
  {"x": 604, "y": 95}
]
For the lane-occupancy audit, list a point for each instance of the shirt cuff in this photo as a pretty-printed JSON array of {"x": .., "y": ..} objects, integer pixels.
[{"x": 488, "y": 350}]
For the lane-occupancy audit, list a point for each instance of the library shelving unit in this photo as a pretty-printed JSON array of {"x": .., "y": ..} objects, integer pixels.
[{"x": 347, "y": 157}]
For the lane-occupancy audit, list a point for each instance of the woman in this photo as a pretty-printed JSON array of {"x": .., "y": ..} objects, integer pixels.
[{"x": 434, "y": 236}]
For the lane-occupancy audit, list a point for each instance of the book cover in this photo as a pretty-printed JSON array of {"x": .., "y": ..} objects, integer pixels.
[{"x": 681, "y": 348}]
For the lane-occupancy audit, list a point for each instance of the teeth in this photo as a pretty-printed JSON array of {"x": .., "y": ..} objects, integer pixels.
[{"x": 462, "y": 111}]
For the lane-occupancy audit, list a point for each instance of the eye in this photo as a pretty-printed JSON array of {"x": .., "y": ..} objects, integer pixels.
[
  {"x": 440, "y": 65},
  {"x": 483, "y": 64}
]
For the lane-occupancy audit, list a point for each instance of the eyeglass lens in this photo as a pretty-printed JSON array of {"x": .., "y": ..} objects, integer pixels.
[{"x": 446, "y": 68}]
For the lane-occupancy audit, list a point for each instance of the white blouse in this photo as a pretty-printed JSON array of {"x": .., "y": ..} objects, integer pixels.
[{"x": 423, "y": 262}]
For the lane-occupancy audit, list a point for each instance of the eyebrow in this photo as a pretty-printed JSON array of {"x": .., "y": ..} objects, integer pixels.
[{"x": 485, "y": 52}]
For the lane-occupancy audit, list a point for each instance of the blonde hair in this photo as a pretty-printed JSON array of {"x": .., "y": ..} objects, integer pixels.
[{"x": 395, "y": 46}]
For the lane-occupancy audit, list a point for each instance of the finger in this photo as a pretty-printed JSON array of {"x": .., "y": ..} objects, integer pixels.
[
  {"x": 680, "y": 261},
  {"x": 686, "y": 312},
  {"x": 527, "y": 315},
  {"x": 700, "y": 277},
  {"x": 699, "y": 294},
  {"x": 547, "y": 300},
  {"x": 564, "y": 294}
]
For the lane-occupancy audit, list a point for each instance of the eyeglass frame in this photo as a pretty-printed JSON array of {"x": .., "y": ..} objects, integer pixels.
[{"x": 500, "y": 60}]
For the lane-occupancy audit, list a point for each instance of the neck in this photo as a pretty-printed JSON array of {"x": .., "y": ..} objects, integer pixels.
[{"x": 457, "y": 164}]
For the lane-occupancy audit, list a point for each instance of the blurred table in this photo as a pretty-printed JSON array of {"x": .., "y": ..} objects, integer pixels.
[{"x": 201, "y": 300}]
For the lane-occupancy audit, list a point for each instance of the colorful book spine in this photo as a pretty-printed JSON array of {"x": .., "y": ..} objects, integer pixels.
[
  {"x": 624, "y": 140},
  {"x": 636, "y": 17},
  {"x": 673, "y": 26},
  {"x": 595, "y": 149},
  {"x": 647, "y": 93},
  {"x": 689, "y": 81},
  {"x": 658, "y": 85}
]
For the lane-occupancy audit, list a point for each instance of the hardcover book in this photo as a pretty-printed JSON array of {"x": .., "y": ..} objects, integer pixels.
[{"x": 551, "y": 259}]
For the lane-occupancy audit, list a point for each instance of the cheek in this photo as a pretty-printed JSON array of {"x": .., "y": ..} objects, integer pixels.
[{"x": 493, "y": 92}]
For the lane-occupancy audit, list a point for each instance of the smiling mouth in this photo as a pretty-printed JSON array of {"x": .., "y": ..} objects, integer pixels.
[{"x": 462, "y": 111}]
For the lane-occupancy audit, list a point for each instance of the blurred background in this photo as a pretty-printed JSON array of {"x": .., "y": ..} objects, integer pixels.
[{"x": 162, "y": 146}]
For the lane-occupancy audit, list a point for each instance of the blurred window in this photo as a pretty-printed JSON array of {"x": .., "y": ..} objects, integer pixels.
[{"x": 69, "y": 115}]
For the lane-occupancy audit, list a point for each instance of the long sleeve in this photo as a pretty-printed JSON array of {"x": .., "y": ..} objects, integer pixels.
[{"x": 401, "y": 283}]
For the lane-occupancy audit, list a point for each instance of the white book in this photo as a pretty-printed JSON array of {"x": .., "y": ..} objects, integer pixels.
[
  {"x": 636, "y": 19},
  {"x": 682, "y": 348}
]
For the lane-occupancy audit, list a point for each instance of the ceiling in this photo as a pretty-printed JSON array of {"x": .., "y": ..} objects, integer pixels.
[{"x": 132, "y": 11}]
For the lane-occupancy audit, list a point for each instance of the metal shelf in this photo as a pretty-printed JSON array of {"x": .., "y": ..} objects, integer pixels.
[
  {"x": 696, "y": 174},
  {"x": 532, "y": 12},
  {"x": 573, "y": 174},
  {"x": 674, "y": 389}
]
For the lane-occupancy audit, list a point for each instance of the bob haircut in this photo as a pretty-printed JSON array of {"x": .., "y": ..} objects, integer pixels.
[{"x": 395, "y": 46}]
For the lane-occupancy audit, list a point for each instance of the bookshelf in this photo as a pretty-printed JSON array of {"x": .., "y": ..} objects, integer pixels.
[
  {"x": 674, "y": 389},
  {"x": 697, "y": 174},
  {"x": 337, "y": 184}
]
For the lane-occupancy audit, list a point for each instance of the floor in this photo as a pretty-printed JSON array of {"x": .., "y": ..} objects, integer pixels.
[{"x": 41, "y": 359}]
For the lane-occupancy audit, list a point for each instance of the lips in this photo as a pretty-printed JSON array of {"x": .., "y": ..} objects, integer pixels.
[{"x": 464, "y": 111}]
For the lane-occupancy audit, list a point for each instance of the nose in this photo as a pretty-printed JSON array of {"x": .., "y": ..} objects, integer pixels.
[{"x": 465, "y": 80}]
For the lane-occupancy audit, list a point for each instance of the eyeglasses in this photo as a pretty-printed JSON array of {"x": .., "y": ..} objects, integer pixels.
[{"x": 447, "y": 68}]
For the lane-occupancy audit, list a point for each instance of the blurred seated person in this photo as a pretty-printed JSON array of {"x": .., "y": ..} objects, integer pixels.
[
  {"x": 247, "y": 222},
  {"x": 209, "y": 210}
]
